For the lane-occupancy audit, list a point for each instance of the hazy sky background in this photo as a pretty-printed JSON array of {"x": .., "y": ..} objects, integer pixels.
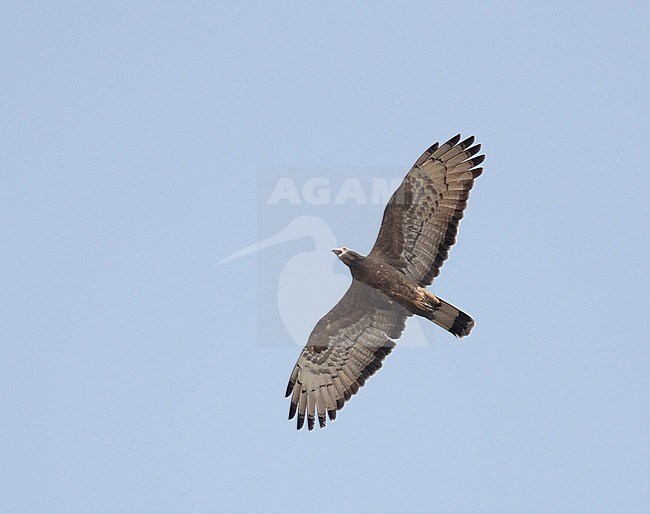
[{"x": 133, "y": 373}]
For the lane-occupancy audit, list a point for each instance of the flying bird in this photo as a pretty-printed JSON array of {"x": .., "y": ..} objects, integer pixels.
[{"x": 419, "y": 227}]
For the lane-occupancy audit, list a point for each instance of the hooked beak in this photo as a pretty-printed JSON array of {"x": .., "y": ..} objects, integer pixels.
[{"x": 337, "y": 251}]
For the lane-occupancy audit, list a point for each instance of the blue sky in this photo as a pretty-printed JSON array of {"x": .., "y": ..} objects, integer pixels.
[{"x": 135, "y": 374}]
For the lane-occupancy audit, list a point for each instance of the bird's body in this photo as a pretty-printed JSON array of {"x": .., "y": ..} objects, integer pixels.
[
  {"x": 419, "y": 226},
  {"x": 377, "y": 273}
]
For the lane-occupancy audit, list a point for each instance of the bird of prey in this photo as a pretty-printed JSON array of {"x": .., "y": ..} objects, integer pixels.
[{"x": 419, "y": 226}]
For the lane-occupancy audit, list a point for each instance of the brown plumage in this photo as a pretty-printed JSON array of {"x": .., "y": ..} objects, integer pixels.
[{"x": 419, "y": 226}]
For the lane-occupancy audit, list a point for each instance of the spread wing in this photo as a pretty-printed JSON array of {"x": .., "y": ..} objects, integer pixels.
[
  {"x": 346, "y": 347},
  {"x": 421, "y": 219}
]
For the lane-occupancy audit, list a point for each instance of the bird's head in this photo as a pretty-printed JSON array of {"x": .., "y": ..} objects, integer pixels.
[{"x": 347, "y": 256}]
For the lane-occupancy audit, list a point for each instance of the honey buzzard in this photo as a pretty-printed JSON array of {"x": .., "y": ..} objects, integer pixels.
[{"x": 419, "y": 226}]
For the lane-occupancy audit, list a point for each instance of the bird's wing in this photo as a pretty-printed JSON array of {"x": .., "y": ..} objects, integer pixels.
[
  {"x": 346, "y": 347},
  {"x": 421, "y": 219}
]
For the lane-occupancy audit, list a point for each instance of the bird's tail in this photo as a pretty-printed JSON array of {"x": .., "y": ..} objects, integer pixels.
[{"x": 451, "y": 318}]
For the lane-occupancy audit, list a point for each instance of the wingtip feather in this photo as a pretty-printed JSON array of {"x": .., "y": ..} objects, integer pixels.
[
  {"x": 289, "y": 388},
  {"x": 473, "y": 150},
  {"x": 467, "y": 142},
  {"x": 478, "y": 160},
  {"x": 453, "y": 141}
]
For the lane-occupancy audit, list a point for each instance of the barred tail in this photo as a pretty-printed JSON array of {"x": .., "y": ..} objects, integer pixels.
[{"x": 452, "y": 319}]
